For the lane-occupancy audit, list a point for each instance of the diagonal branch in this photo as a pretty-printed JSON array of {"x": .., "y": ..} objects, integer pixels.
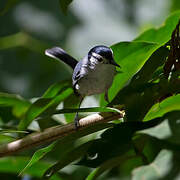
[{"x": 59, "y": 132}]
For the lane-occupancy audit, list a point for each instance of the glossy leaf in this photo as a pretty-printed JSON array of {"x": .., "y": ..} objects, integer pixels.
[
  {"x": 163, "y": 34},
  {"x": 158, "y": 110},
  {"x": 131, "y": 56}
]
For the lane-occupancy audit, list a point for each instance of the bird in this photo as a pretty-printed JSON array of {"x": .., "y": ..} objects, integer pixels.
[{"x": 93, "y": 74}]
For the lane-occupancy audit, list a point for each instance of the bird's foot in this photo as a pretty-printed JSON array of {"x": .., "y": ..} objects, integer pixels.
[
  {"x": 76, "y": 122},
  {"x": 106, "y": 97}
]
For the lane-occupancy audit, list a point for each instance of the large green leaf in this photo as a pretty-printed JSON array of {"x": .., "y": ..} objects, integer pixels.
[
  {"x": 163, "y": 34},
  {"x": 141, "y": 90},
  {"x": 158, "y": 110},
  {"x": 131, "y": 56}
]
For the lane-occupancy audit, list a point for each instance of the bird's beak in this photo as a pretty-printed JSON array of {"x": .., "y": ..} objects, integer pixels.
[{"x": 114, "y": 63}]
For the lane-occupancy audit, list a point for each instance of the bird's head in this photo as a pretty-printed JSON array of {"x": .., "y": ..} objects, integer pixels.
[{"x": 102, "y": 54}]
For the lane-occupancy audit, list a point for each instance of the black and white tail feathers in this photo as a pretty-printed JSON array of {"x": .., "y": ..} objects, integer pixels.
[{"x": 60, "y": 54}]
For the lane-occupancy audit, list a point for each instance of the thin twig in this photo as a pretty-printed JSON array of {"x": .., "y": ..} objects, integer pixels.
[{"x": 55, "y": 133}]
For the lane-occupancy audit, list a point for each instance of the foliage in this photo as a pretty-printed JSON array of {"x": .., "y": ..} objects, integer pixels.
[{"x": 145, "y": 145}]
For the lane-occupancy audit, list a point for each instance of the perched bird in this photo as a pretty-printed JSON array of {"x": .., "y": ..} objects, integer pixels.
[{"x": 93, "y": 74}]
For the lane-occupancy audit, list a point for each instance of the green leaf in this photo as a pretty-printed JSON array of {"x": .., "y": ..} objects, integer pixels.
[
  {"x": 37, "y": 156},
  {"x": 11, "y": 131},
  {"x": 163, "y": 34},
  {"x": 18, "y": 104},
  {"x": 67, "y": 159},
  {"x": 165, "y": 166},
  {"x": 109, "y": 165},
  {"x": 15, "y": 164},
  {"x": 131, "y": 56},
  {"x": 64, "y": 5},
  {"x": 42, "y": 105},
  {"x": 158, "y": 110},
  {"x": 71, "y": 102},
  {"x": 144, "y": 151},
  {"x": 56, "y": 88},
  {"x": 9, "y": 4},
  {"x": 114, "y": 142}
]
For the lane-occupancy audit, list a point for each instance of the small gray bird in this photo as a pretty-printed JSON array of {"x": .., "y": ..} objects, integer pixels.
[{"x": 93, "y": 74}]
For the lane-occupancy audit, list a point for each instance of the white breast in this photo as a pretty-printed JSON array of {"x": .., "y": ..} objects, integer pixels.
[{"x": 98, "y": 79}]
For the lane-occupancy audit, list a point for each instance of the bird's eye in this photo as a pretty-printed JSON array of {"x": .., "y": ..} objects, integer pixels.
[{"x": 100, "y": 59}]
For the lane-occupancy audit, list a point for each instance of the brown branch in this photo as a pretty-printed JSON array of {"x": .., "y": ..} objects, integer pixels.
[{"x": 56, "y": 132}]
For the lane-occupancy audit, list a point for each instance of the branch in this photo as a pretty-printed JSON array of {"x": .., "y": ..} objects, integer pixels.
[{"x": 57, "y": 132}]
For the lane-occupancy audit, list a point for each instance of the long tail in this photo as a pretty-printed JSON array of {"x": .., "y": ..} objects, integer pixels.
[{"x": 60, "y": 54}]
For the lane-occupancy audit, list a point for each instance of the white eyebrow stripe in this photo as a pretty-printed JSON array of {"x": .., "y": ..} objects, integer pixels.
[{"x": 97, "y": 55}]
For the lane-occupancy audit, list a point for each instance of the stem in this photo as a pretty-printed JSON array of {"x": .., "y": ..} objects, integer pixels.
[{"x": 57, "y": 132}]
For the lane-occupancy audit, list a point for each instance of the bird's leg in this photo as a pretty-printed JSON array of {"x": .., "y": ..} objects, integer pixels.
[
  {"x": 106, "y": 96},
  {"x": 76, "y": 119}
]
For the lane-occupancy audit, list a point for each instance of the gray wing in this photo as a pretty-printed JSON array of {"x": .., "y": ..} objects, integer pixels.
[{"x": 80, "y": 70}]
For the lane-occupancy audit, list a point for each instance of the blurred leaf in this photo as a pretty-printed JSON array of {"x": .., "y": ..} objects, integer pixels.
[
  {"x": 163, "y": 34},
  {"x": 37, "y": 156},
  {"x": 18, "y": 104},
  {"x": 9, "y": 4},
  {"x": 67, "y": 159},
  {"x": 64, "y": 5},
  {"x": 42, "y": 105},
  {"x": 158, "y": 110},
  {"x": 175, "y": 5},
  {"x": 22, "y": 39},
  {"x": 165, "y": 166},
  {"x": 15, "y": 164}
]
